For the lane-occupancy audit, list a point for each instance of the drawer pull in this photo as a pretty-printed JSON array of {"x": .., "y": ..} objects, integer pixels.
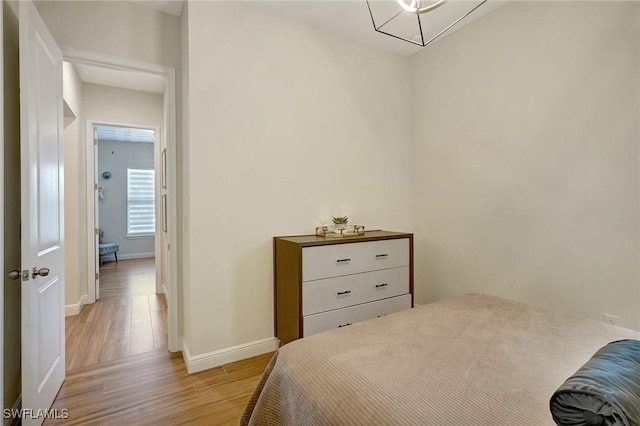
[
  {"x": 381, "y": 285},
  {"x": 343, "y": 260},
  {"x": 343, "y": 325},
  {"x": 382, "y": 315},
  {"x": 344, "y": 292},
  {"x": 378, "y": 256}
]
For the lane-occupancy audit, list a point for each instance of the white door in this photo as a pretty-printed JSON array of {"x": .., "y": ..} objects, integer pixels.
[{"x": 42, "y": 214}]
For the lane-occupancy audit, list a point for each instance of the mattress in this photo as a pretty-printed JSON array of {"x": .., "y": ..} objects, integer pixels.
[{"x": 470, "y": 360}]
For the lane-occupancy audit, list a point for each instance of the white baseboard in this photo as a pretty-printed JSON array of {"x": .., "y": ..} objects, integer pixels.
[
  {"x": 130, "y": 256},
  {"x": 136, "y": 256},
  {"x": 16, "y": 407},
  {"x": 213, "y": 359},
  {"x": 75, "y": 309}
]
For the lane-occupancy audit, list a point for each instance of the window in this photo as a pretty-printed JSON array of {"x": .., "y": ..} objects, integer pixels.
[{"x": 141, "y": 204}]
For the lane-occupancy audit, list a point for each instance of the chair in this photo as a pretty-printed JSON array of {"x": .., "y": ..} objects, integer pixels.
[{"x": 106, "y": 248}]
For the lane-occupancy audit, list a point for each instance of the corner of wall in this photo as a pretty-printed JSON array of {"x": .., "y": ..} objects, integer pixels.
[
  {"x": 196, "y": 363},
  {"x": 76, "y": 308},
  {"x": 183, "y": 183}
]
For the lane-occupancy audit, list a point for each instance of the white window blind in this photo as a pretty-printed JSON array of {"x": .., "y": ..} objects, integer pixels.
[{"x": 141, "y": 211}]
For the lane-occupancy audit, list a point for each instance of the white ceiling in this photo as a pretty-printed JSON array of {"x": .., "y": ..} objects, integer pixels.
[
  {"x": 347, "y": 18},
  {"x": 132, "y": 80},
  {"x": 351, "y": 18}
]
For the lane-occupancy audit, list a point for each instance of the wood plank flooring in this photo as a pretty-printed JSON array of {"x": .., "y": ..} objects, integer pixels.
[
  {"x": 154, "y": 388},
  {"x": 119, "y": 371},
  {"x": 128, "y": 319}
]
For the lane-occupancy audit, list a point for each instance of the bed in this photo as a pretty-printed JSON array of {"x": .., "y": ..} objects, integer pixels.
[{"x": 470, "y": 360}]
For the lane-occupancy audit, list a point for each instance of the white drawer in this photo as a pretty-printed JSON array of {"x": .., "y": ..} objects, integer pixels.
[
  {"x": 317, "y": 323},
  {"x": 339, "y": 292},
  {"x": 351, "y": 258}
]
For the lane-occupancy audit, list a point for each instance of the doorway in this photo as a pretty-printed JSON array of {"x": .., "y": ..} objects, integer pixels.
[
  {"x": 165, "y": 162},
  {"x": 127, "y": 206}
]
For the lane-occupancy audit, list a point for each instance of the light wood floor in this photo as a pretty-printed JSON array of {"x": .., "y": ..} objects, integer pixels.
[
  {"x": 154, "y": 389},
  {"x": 120, "y": 373},
  {"x": 128, "y": 319}
]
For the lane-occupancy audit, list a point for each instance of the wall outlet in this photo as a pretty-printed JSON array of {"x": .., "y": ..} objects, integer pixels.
[{"x": 611, "y": 319}]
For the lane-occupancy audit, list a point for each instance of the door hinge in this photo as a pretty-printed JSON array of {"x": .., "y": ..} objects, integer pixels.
[
  {"x": 96, "y": 229},
  {"x": 97, "y": 275},
  {"x": 95, "y": 186}
]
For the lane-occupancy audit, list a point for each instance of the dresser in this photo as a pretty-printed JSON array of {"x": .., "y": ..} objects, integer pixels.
[{"x": 324, "y": 283}]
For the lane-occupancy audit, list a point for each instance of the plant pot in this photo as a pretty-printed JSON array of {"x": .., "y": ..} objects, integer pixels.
[{"x": 340, "y": 226}]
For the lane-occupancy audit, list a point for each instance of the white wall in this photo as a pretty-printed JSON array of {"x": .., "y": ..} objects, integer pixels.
[
  {"x": 287, "y": 126},
  {"x": 75, "y": 247},
  {"x": 116, "y": 157},
  {"x": 526, "y": 127}
]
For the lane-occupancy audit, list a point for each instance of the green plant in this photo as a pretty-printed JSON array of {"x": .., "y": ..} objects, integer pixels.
[{"x": 340, "y": 220}]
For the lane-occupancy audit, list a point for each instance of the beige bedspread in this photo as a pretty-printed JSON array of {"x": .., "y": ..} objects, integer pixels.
[{"x": 472, "y": 360}]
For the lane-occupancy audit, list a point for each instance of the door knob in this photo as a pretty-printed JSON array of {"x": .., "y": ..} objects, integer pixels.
[
  {"x": 15, "y": 274},
  {"x": 43, "y": 272}
]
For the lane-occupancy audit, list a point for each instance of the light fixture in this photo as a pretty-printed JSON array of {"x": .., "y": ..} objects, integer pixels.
[{"x": 419, "y": 21}]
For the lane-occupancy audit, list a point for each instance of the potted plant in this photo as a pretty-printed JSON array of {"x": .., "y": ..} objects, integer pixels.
[{"x": 340, "y": 222}]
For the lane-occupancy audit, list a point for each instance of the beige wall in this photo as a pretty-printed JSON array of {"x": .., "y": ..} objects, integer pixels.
[
  {"x": 116, "y": 28},
  {"x": 11, "y": 243},
  {"x": 75, "y": 245},
  {"x": 526, "y": 132},
  {"x": 288, "y": 126},
  {"x": 116, "y": 105}
]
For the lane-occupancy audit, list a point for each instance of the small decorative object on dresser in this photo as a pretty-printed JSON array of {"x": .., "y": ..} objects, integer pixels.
[
  {"x": 340, "y": 222},
  {"x": 333, "y": 232},
  {"x": 322, "y": 283},
  {"x": 340, "y": 228}
]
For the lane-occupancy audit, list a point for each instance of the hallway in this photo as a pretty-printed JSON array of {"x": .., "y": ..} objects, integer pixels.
[{"x": 128, "y": 319}]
